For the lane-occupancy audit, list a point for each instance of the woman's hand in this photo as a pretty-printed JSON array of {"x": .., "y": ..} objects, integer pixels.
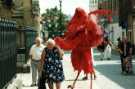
[{"x": 61, "y": 52}]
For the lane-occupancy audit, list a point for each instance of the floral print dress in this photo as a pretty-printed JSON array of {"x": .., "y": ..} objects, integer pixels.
[{"x": 53, "y": 66}]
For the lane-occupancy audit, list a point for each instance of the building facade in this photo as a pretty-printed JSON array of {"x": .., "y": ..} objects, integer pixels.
[
  {"x": 123, "y": 24},
  {"x": 25, "y": 12},
  {"x": 27, "y": 15},
  {"x": 127, "y": 18},
  {"x": 113, "y": 28},
  {"x": 93, "y": 5}
]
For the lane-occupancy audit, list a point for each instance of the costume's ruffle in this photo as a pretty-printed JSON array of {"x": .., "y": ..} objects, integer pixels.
[{"x": 82, "y": 60}]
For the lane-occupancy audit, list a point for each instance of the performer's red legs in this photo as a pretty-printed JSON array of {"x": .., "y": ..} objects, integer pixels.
[{"x": 73, "y": 85}]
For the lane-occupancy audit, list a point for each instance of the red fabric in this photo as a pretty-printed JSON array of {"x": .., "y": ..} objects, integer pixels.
[
  {"x": 82, "y": 60},
  {"x": 101, "y": 12},
  {"x": 108, "y": 13},
  {"x": 83, "y": 32}
]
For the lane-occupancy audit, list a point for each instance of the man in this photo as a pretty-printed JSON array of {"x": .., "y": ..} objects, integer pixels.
[
  {"x": 126, "y": 56},
  {"x": 35, "y": 56},
  {"x": 108, "y": 49},
  {"x": 119, "y": 49}
]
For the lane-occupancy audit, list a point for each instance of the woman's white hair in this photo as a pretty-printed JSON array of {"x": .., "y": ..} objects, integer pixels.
[{"x": 51, "y": 41}]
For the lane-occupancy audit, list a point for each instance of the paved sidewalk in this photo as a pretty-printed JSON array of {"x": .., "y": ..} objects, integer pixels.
[
  {"x": 108, "y": 75},
  {"x": 69, "y": 74}
]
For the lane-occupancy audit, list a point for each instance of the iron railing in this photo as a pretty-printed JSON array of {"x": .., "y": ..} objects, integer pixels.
[{"x": 7, "y": 51}]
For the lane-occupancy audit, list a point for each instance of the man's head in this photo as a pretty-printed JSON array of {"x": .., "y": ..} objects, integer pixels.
[
  {"x": 50, "y": 43},
  {"x": 38, "y": 41}
]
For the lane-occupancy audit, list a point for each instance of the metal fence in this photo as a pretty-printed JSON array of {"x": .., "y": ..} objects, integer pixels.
[{"x": 7, "y": 51}]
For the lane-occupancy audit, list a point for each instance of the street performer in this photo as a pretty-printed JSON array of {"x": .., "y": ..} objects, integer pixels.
[{"x": 83, "y": 33}]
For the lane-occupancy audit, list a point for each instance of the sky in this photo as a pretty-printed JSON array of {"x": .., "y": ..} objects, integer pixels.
[{"x": 68, "y": 6}]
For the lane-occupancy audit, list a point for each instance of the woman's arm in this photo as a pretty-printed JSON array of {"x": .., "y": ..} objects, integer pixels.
[
  {"x": 42, "y": 57},
  {"x": 61, "y": 52},
  {"x": 42, "y": 61}
]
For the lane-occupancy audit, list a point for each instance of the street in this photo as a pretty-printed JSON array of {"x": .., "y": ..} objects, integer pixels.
[
  {"x": 76, "y": 25},
  {"x": 108, "y": 75}
]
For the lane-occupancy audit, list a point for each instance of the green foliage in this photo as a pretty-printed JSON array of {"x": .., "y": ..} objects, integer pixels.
[{"x": 54, "y": 22}]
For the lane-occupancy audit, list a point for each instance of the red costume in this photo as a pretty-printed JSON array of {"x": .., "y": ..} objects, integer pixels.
[{"x": 83, "y": 32}]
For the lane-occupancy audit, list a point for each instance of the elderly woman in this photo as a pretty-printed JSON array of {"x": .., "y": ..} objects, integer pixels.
[{"x": 52, "y": 71}]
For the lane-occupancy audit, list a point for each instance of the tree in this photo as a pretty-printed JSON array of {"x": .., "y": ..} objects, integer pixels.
[{"x": 54, "y": 22}]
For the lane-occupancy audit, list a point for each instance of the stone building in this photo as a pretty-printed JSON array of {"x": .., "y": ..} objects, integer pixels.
[
  {"x": 127, "y": 18},
  {"x": 123, "y": 17},
  {"x": 25, "y": 12},
  {"x": 115, "y": 31},
  {"x": 27, "y": 15},
  {"x": 132, "y": 21},
  {"x": 93, "y": 5}
]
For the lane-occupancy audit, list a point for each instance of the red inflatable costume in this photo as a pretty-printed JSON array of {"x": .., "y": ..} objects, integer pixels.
[{"x": 83, "y": 32}]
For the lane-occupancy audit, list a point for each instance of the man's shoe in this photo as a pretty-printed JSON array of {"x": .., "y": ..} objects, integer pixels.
[
  {"x": 33, "y": 84},
  {"x": 101, "y": 59},
  {"x": 124, "y": 73},
  {"x": 108, "y": 58}
]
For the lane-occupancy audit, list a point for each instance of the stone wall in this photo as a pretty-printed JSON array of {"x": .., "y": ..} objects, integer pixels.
[{"x": 21, "y": 12}]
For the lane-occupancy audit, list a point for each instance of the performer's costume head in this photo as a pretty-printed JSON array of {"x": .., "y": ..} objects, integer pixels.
[{"x": 83, "y": 33}]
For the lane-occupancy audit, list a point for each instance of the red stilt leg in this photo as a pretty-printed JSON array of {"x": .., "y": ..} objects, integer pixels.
[
  {"x": 94, "y": 74},
  {"x": 73, "y": 85},
  {"x": 91, "y": 82}
]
